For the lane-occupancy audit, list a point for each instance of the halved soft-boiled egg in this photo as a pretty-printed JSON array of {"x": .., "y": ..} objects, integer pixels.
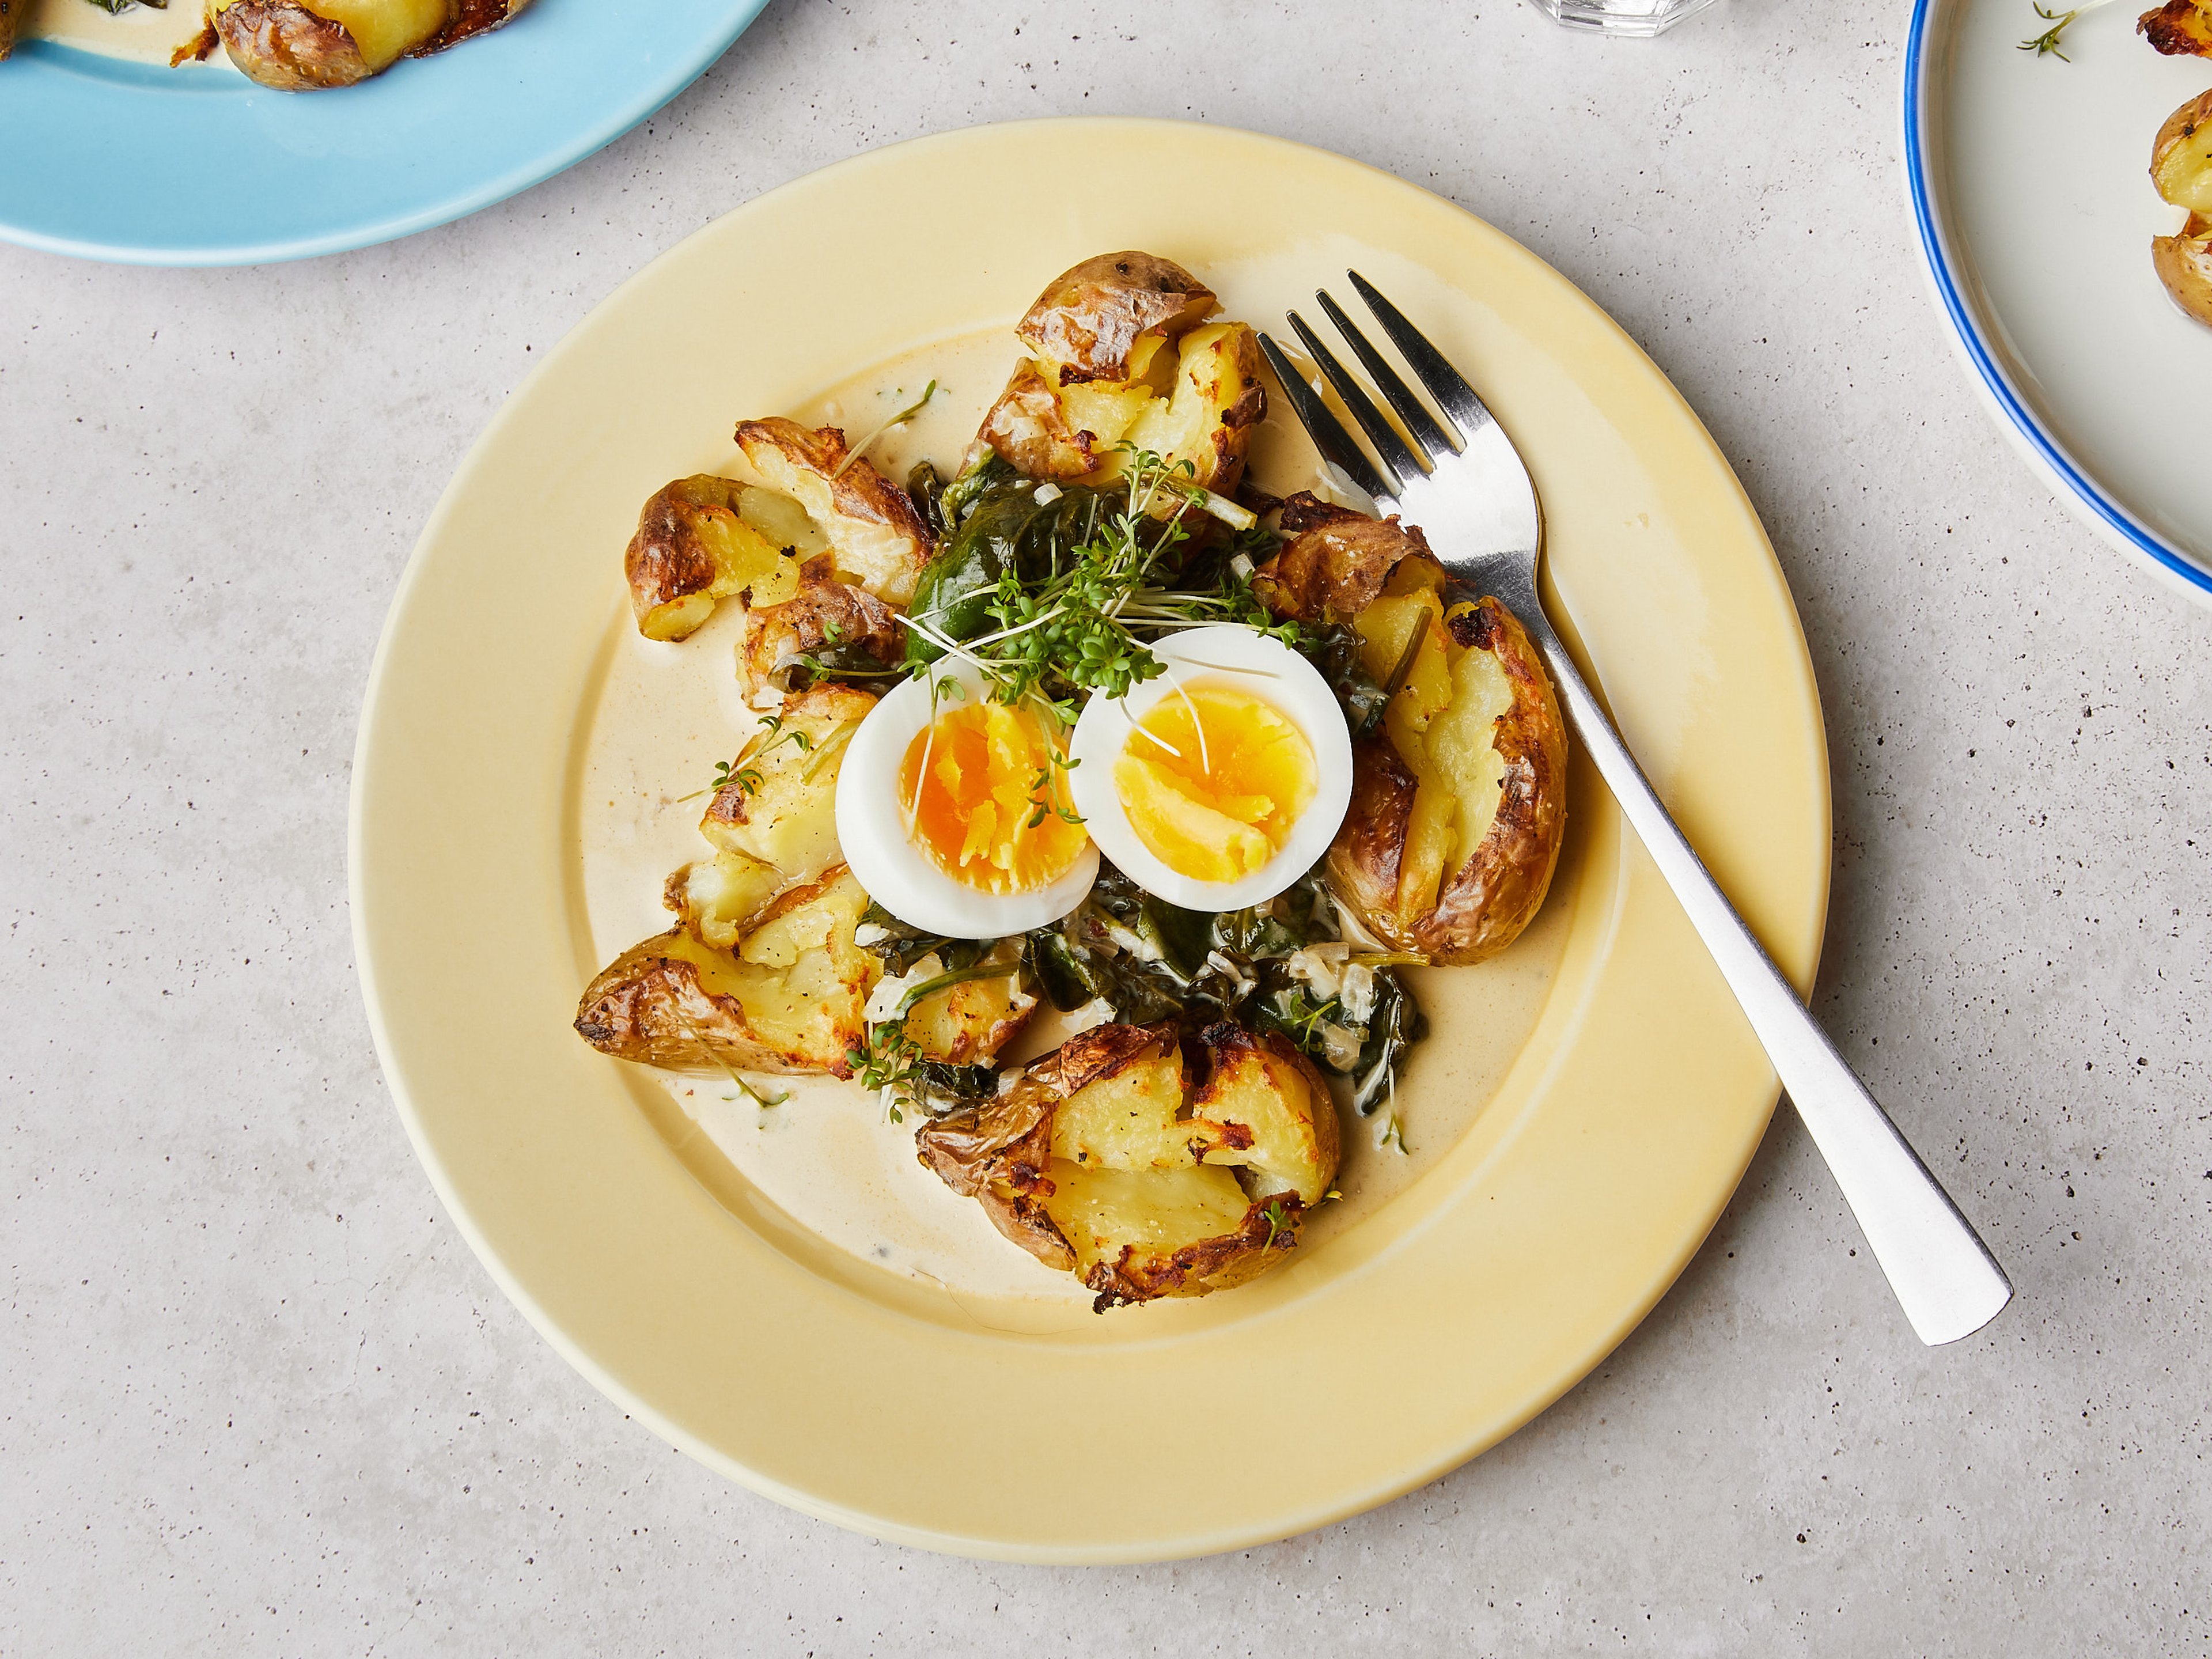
[
  {"x": 1220, "y": 780},
  {"x": 954, "y": 811}
]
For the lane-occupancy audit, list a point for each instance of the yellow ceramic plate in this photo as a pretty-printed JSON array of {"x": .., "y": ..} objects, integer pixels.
[{"x": 1608, "y": 1126}]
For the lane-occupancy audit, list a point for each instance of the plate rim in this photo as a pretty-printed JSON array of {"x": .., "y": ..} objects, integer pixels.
[
  {"x": 2067, "y": 478},
  {"x": 38, "y": 55},
  {"x": 1662, "y": 1273}
]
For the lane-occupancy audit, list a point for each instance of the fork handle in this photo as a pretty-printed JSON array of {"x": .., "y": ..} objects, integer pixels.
[{"x": 1944, "y": 1275}]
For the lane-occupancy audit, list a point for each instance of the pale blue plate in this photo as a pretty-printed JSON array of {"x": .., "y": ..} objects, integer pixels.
[{"x": 115, "y": 160}]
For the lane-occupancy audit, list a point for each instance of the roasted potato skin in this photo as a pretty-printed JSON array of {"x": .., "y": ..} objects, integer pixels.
[
  {"x": 2181, "y": 156},
  {"x": 281, "y": 45},
  {"x": 1088, "y": 322},
  {"x": 997, "y": 1153},
  {"x": 1336, "y": 563},
  {"x": 11, "y": 18},
  {"x": 877, "y": 537},
  {"x": 2184, "y": 264},
  {"x": 647, "y": 1005},
  {"x": 1205, "y": 420},
  {"x": 1333, "y": 569},
  {"x": 1000, "y": 1154},
  {"x": 2179, "y": 28},
  {"x": 824, "y": 614},
  {"x": 1029, "y": 428},
  {"x": 1221, "y": 1263},
  {"x": 2181, "y": 168},
  {"x": 653, "y": 1006},
  {"x": 1497, "y": 892},
  {"x": 671, "y": 566},
  {"x": 471, "y": 18}
]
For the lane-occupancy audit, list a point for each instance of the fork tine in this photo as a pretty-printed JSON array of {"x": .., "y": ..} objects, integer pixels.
[
  {"x": 1421, "y": 425},
  {"x": 1327, "y": 433},
  {"x": 1467, "y": 411},
  {"x": 1399, "y": 456}
]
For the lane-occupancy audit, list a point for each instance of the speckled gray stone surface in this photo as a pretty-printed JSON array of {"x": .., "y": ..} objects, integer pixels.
[{"x": 257, "y": 1397}]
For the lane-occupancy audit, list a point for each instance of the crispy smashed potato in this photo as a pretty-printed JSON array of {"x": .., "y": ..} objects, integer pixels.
[
  {"x": 1048, "y": 431},
  {"x": 694, "y": 549},
  {"x": 1091, "y": 383},
  {"x": 2181, "y": 167},
  {"x": 1336, "y": 560},
  {"x": 302, "y": 45},
  {"x": 761, "y": 972},
  {"x": 780, "y": 805},
  {"x": 1073, "y": 432},
  {"x": 1217, "y": 399},
  {"x": 825, "y": 619},
  {"x": 2179, "y": 28},
  {"x": 1104, "y": 1161},
  {"x": 1459, "y": 800},
  {"x": 717, "y": 898},
  {"x": 787, "y": 998},
  {"x": 968, "y": 1023},
  {"x": 2184, "y": 264},
  {"x": 1106, "y": 318},
  {"x": 878, "y": 538},
  {"x": 2181, "y": 156},
  {"x": 471, "y": 17}
]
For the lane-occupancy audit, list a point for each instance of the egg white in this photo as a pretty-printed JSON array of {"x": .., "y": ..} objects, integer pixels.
[
  {"x": 893, "y": 867},
  {"x": 1233, "y": 659}
]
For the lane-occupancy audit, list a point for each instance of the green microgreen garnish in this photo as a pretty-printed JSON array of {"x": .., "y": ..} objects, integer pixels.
[
  {"x": 1085, "y": 628},
  {"x": 2046, "y": 44},
  {"x": 887, "y": 1063},
  {"x": 745, "y": 771},
  {"x": 1049, "y": 795},
  {"x": 746, "y": 1090}
]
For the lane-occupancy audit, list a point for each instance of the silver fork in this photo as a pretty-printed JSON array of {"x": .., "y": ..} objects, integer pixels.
[{"x": 1469, "y": 490}]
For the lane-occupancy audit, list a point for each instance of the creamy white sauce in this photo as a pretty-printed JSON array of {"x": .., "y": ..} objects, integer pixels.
[
  {"x": 828, "y": 1157},
  {"x": 140, "y": 33}
]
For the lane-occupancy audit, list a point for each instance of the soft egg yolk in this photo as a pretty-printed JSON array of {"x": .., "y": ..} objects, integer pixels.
[
  {"x": 984, "y": 788},
  {"x": 1212, "y": 780}
]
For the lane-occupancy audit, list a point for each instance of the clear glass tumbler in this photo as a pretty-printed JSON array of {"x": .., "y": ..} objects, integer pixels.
[{"x": 1634, "y": 18}]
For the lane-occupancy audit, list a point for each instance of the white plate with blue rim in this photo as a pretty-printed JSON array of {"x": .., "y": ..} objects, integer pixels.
[{"x": 2029, "y": 173}]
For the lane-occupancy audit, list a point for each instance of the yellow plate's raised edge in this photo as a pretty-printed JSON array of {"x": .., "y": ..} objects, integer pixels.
[{"x": 1604, "y": 1163}]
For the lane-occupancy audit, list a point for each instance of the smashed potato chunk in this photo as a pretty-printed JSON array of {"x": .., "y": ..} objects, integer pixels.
[
  {"x": 2179, "y": 28},
  {"x": 780, "y": 805},
  {"x": 1217, "y": 399},
  {"x": 878, "y": 538},
  {"x": 968, "y": 1023},
  {"x": 694, "y": 548},
  {"x": 827, "y": 620},
  {"x": 2184, "y": 264},
  {"x": 1458, "y": 803},
  {"x": 1072, "y": 431},
  {"x": 2181, "y": 156},
  {"x": 2181, "y": 167},
  {"x": 1035, "y": 427},
  {"x": 302, "y": 45},
  {"x": 1104, "y": 1161},
  {"x": 1336, "y": 560},
  {"x": 717, "y": 898},
  {"x": 1104, "y": 319},
  {"x": 788, "y": 998}
]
